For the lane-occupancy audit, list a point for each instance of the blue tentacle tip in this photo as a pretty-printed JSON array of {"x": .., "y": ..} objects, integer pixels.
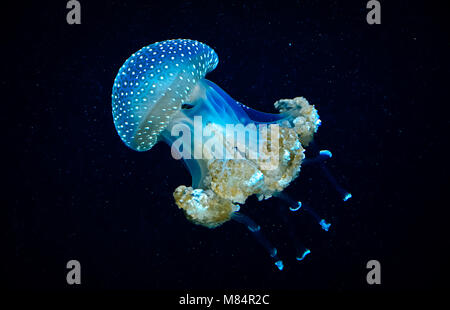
[
  {"x": 325, "y": 225},
  {"x": 307, "y": 251},
  {"x": 279, "y": 264},
  {"x": 347, "y": 196}
]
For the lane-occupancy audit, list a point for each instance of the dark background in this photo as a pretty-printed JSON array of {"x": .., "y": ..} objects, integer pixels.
[{"x": 73, "y": 190}]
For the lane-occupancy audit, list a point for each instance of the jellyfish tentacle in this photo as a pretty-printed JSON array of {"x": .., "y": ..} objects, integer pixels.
[
  {"x": 301, "y": 250},
  {"x": 303, "y": 254},
  {"x": 344, "y": 194},
  {"x": 255, "y": 229},
  {"x": 297, "y": 205},
  {"x": 321, "y": 159}
]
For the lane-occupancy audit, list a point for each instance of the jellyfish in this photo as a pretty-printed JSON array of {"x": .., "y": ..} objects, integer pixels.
[{"x": 231, "y": 151}]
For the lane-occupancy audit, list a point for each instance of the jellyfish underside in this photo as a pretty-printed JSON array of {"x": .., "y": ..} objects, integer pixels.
[{"x": 225, "y": 175}]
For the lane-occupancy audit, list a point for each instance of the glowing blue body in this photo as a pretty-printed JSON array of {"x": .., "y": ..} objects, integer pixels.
[{"x": 163, "y": 85}]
